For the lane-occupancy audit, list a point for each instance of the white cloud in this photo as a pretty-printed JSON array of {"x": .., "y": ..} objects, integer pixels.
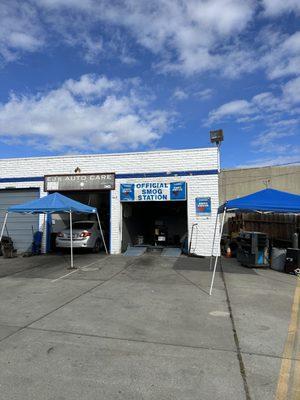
[
  {"x": 180, "y": 94},
  {"x": 269, "y": 142},
  {"x": 278, "y": 117},
  {"x": 90, "y": 114},
  {"x": 231, "y": 109},
  {"x": 281, "y": 58},
  {"x": 79, "y": 4},
  {"x": 92, "y": 85},
  {"x": 20, "y": 29},
  {"x": 267, "y": 137},
  {"x": 293, "y": 122},
  {"x": 265, "y": 105},
  {"x": 278, "y": 7},
  {"x": 204, "y": 94},
  {"x": 187, "y": 37},
  {"x": 223, "y": 16},
  {"x": 268, "y": 161},
  {"x": 291, "y": 91},
  {"x": 23, "y": 41}
]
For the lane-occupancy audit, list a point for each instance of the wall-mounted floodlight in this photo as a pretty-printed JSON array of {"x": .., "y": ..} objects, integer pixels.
[{"x": 217, "y": 136}]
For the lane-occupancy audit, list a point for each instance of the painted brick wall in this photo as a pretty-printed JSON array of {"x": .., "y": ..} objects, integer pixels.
[{"x": 156, "y": 161}]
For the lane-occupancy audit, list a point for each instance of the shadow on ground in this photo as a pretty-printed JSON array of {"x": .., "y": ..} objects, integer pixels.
[{"x": 202, "y": 264}]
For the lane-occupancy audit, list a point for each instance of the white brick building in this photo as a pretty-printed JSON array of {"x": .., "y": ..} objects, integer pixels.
[{"x": 198, "y": 168}]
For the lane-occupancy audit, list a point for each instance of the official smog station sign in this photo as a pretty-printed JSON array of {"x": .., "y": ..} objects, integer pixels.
[
  {"x": 63, "y": 183},
  {"x": 153, "y": 191}
]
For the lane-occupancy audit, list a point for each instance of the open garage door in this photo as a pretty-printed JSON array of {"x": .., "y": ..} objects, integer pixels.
[
  {"x": 154, "y": 223},
  {"x": 19, "y": 227},
  {"x": 97, "y": 199}
]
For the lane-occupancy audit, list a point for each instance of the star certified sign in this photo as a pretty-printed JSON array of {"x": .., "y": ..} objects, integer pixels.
[{"x": 64, "y": 183}]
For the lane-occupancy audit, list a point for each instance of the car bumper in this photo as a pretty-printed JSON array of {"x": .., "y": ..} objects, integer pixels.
[{"x": 77, "y": 244}]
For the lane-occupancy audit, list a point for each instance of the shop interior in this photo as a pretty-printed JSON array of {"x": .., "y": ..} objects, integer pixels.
[
  {"x": 97, "y": 199},
  {"x": 154, "y": 223}
]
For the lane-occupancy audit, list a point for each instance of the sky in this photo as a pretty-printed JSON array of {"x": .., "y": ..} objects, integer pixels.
[{"x": 98, "y": 76}]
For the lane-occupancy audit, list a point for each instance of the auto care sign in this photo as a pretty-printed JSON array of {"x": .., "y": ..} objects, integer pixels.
[
  {"x": 153, "y": 191},
  {"x": 63, "y": 183},
  {"x": 203, "y": 205}
]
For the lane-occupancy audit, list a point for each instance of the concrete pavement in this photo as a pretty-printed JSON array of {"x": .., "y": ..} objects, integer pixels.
[{"x": 141, "y": 328}]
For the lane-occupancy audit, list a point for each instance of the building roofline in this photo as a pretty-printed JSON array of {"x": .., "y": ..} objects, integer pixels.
[
  {"x": 262, "y": 167},
  {"x": 197, "y": 149}
]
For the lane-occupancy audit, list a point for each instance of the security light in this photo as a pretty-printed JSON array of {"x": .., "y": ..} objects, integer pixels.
[{"x": 217, "y": 136}]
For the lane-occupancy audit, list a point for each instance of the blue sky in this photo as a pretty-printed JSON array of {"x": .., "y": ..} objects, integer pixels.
[{"x": 112, "y": 76}]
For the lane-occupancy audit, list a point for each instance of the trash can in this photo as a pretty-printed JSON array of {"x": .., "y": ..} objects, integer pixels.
[{"x": 278, "y": 259}]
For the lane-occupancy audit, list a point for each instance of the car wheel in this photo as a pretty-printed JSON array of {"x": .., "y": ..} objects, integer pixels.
[{"x": 96, "y": 248}]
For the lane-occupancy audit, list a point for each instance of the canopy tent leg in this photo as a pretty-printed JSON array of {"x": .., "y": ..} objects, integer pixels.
[
  {"x": 101, "y": 231},
  {"x": 213, "y": 243},
  {"x": 216, "y": 260},
  {"x": 71, "y": 237},
  {"x": 3, "y": 226}
]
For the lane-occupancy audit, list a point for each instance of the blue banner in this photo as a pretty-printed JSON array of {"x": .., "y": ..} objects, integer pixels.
[
  {"x": 203, "y": 205},
  {"x": 127, "y": 192},
  {"x": 177, "y": 191}
]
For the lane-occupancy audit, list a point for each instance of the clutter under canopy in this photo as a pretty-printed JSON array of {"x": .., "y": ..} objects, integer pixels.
[
  {"x": 264, "y": 201},
  {"x": 51, "y": 204}
]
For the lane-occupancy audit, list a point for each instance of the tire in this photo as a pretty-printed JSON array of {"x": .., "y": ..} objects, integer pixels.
[{"x": 96, "y": 248}]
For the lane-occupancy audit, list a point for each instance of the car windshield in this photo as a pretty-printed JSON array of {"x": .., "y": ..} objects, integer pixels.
[{"x": 82, "y": 225}]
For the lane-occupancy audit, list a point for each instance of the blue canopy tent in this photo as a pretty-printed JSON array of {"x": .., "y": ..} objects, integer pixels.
[
  {"x": 267, "y": 200},
  {"x": 264, "y": 201},
  {"x": 55, "y": 203}
]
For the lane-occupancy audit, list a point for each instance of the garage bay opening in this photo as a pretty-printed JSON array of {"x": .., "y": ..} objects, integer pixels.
[
  {"x": 154, "y": 214},
  {"x": 84, "y": 222},
  {"x": 154, "y": 223}
]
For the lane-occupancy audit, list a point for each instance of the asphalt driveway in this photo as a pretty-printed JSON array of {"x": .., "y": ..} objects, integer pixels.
[{"x": 144, "y": 328}]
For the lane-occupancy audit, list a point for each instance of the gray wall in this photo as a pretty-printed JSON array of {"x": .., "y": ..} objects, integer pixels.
[{"x": 235, "y": 183}]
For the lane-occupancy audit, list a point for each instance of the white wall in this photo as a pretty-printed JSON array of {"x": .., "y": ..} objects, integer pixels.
[
  {"x": 132, "y": 163},
  {"x": 153, "y": 161}
]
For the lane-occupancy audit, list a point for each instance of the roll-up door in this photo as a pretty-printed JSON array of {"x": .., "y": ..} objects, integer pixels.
[{"x": 19, "y": 226}]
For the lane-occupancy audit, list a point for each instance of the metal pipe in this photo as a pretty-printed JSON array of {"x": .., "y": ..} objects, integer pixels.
[
  {"x": 3, "y": 226},
  {"x": 191, "y": 239},
  {"x": 71, "y": 237},
  {"x": 101, "y": 231},
  {"x": 213, "y": 243},
  {"x": 216, "y": 260}
]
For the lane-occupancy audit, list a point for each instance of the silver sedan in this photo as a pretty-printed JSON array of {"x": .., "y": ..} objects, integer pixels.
[{"x": 86, "y": 235}]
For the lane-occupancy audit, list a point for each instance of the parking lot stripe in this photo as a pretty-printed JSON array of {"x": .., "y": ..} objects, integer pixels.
[
  {"x": 289, "y": 348},
  {"x": 76, "y": 270},
  {"x": 61, "y": 277},
  {"x": 296, "y": 381},
  {"x": 295, "y": 390}
]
